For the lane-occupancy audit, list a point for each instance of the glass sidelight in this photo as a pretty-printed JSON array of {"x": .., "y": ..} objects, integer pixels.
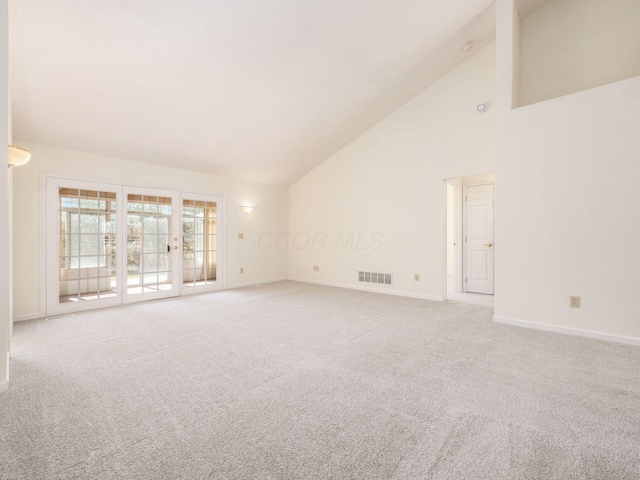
[
  {"x": 201, "y": 258},
  {"x": 199, "y": 242},
  {"x": 87, "y": 245},
  {"x": 82, "y": 247}
]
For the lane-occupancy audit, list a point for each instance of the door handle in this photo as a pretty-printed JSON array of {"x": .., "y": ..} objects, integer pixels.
[
  {"x": 488, "y": 244},
  {"x": 175, "y": 247}
]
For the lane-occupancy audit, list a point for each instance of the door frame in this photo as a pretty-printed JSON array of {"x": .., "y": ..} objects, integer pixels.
[
  {"x": 461, "y": 183},
  {"x": 458, "y": 259},
  {"x": 44, "y": 178}
]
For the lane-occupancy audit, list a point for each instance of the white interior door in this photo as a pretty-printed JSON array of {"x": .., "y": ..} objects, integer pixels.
[
  {"x": 479, "y": 239},
  {"x": 152, "y": 257}
]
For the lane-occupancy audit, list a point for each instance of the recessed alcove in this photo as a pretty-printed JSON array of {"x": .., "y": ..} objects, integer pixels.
[{"x": 567, "y": 46}]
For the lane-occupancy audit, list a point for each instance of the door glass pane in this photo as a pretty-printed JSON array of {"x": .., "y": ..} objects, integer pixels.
[
  {"x": 199, "y": 232},
  {"x": 151, "y": 244},
  {"x": 150, "y": 204},
  {"x": 150, "y": 263},
  {"x": 148, "y": 230},
  {"x": 87, "y": 244}
]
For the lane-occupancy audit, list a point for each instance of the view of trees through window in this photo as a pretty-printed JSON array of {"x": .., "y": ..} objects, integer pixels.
[
  {"x": 148, "y": 243},
  {"x": 87, "y": 244},
  {"x": 199, "y": 242}
]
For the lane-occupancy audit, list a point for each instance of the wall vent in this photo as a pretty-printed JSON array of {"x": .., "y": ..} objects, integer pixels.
[{"x": 371, "y": 277}]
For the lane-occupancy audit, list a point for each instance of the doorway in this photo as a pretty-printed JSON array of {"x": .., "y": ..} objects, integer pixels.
[
  {"x": 469, "y": 242},
  {"x": 109, "y": 244}
]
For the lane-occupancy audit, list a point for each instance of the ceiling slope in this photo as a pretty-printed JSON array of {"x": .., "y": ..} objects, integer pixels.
[{"x": 259, "y": 90}]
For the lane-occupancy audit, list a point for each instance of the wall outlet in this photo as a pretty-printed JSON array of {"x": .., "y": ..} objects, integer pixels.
[
  {"x": 574, "y": 302},
  {"x": 416, "y": 277},
  {"x": 241, "y": 236},
  {"x": 241, "y": 270},
  {"x": 316, "y": 268}
]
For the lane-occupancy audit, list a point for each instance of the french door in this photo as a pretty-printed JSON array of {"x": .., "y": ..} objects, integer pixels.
[
  {"x": 152, "y": 244},
  {"x": 112, "y": 244}
]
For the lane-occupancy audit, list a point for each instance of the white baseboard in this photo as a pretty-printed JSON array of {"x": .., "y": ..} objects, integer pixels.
[
  {"x": 251, "y": 284},
  {"x": 28, "y": 316},
  {"x": 397, "y": 293},
  {"x": 569, "y": 331}
]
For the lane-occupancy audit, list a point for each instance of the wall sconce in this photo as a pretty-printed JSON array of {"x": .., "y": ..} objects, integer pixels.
[
  {"x": 18, "y": 156},
  {"x": 246, "y": 209}
]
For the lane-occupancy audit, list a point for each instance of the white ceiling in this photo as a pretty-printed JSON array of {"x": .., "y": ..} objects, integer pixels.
[{"x": 262, "y": 90}]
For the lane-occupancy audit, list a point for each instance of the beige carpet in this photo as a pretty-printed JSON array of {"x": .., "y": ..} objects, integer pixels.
[{"x": 295, "y": 381}]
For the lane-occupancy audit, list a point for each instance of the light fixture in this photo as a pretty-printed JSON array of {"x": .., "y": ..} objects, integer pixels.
[
  {"x": 467, "y": 47},
  {"x": 246, "y": 209},
  {"x": 481, "y": 108},
  {"x": 18, "y": 156}
]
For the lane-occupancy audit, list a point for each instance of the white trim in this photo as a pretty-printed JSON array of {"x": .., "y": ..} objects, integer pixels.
[
  {"x": 445, "y": 241},
  {"x": 27, "y": 316},
  {"x": 251, "y": 284},
  {"x": 457, "y": 234},
  {"x": 4, "y": 386},
  {"x": 397, "y": 293},
  {"x": 607, "y": 337},
  {"x": 11, "y": 229},
  {"x": 222, "y": 241}
]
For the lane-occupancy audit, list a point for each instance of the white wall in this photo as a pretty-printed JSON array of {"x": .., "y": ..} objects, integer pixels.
[
  {"x": 571, "y": 45},
  {"x": 5, "y": 289},
  {"x": 567, "y": 193},
  {"x": 386, "y": 188},
  {"x": 260, "y": 263}
]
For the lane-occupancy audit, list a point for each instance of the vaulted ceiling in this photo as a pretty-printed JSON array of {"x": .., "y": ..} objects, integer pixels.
[{"x": 258, "y": 89}]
